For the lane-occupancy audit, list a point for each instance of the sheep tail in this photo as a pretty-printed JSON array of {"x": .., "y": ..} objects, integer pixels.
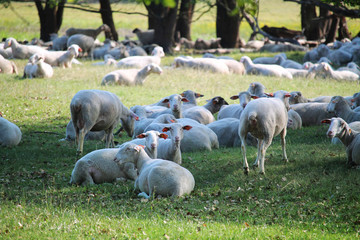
[{"x": 253, "y": 118}]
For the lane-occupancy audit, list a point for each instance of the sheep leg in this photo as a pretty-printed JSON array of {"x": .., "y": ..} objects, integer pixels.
[
  {"x": 243, "y": 150},
  {"x": 109, "y": 138},
  {"x": 256, "y": 163},
  {"x": 283, "y": 144},
  {"x": 264, "y": 146},
  {"x": 80, "y": 137}
]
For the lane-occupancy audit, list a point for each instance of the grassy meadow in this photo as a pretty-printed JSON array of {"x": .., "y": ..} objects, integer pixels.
[{"x": 314, "y": 196}]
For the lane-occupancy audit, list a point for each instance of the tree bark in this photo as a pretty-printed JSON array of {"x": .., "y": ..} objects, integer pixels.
[
  {"x": 343, "y": 29},
  {"x": 163, "y": 21},
  {"x": 227, "y": 24},
  {"x": 183, "y": 24},
  {"x": 50, "y": 17},
  {"x": 107, "y": 18},
  {"x": 331, "y": 34}
]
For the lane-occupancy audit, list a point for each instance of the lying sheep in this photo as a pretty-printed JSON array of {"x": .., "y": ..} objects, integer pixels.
[
  {"x": 85, "y": 42},
  {"x": 71, "y": 136},
  {"x": 40, "y": 69},
  {"x": 287, "y": 63},
  {"x": 206, "y": 64},
  {"x": 294, "y": 120},
  {"x": 191, "y": 96},
  {"x": 175, "y": 102},
  {"x": 65, "y": 60},
  {"x": 202, "y": 44},
  {"x": 204, "y": 114},
  {"x": 10, "y": 134},
  {"x": 93, "y": 33},
  {"x": 145, "y": 37},
  {"x": 264, "y": 69},
  {"x": 99, "y": 167},
  {"x": 58, "y": 43},
  {"x": 142, "y": 61},
  {"x": 312, "y": 113},
  {"x": 156, "y": 176},
  {"x": 340, "y": 108},
  {"x": 257, "y": 89},
  {"x": 351, "y": 66},
  {"x": 269, "y": 60},
  {"x": 6, "y": 53},
  {"x": 7, "y": 66},
  {"x": 328, "y": 72},
  {"x": 351, "y": 139},
  {"x": 297, "y": 97},
  {"x": 234, "y": 110},
  {"x": 264, "y": 118},
  {"x": 109, "y": 60},
  {"x": 119, "y": 52},
  {"x": 20, "y": 51},
  {"x": 98, "y": 110},
  {"x": 130, "y": 76}
]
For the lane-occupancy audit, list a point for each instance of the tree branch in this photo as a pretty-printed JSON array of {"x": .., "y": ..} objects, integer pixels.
[
  {"x": 339, "y": 10},
  {"x": 98, "y": 11}
]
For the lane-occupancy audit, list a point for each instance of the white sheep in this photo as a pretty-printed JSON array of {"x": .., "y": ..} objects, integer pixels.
[
  {"x": 191, "y": 96},
  {"x": 7, "y": 66},
  {"x": 351, "y": 66},
  {"x": 234, "y": 110},
  {"x": 312, "y": 113},
  {"x": 142, "y": 61},
  {"x": 40, "y": 69},
  {"x": 340, "y": 108},
  {"x": 328, "y": 72},
  {"x": 67, "y": 58},
  {"x": 175, "y": 102},
  {"x": 269, "y": 60},
  {"x": 264, "y": 69},
  {"x": 206, "y": 64},
  {"x": 294, "y": 120},
  {"x": 98, "y": 110},
  {"x": 156, "y": 176},
  {"x": 204, "y": 114},
  {"x": 21, "y": 51},
  {"x": 257, "y": 89},
  {"x": 6, "y": 53},
  {"x": 287, "y": 63},
  {"x": 351, "y": 139},
  {"x": 130, "y": 76},
  {"x": 264, "y": 118},
  {"x": 71, "y": 136},
  {"x": 99, "y": 167},
  {"x": 10, "y": 134},
  {"x": 88, "y": 31}
]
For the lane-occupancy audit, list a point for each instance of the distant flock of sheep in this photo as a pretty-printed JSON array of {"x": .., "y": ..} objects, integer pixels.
[{"x": 176, "y": 124}]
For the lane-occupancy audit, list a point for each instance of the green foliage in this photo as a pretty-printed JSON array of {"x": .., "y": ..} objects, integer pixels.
[{"x": 165, "y": 3}]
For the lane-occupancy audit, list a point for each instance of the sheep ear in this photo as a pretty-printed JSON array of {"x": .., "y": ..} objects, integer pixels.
[
  {"x": 327, "y": 121},
  {"x": 184, "y": 99},
  {"x": 269, "y": 94},
  {"x": 254, "y": 97},
  {"x": 165, "y": 100},
  {"x": 287, "y": 95},
  {"x": 187, "y": 127},
  {"x": 197, "y": 95},
  {"x": 182, "y": 94},
  {"x": 80, "y": 50},
  {"x": 215, "y": 101},
  {"x": 142, "y": 135},
  {"x": 234, "y": 97},
  {"x": 163, "y": 135},
  {"x": 165, "y": 129},
  {"x": 138, "y": 147},
  {"x": 172, "y": 120},
  {"x": 134, "y": 116},
  {"x": 352, "y": 100}
]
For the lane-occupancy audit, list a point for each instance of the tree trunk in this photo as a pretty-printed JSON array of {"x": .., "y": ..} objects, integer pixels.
[
  {"x": 308, "y": 13},
  {"x": 343, "y": 29},
  {"x": 50, "y": 18},
  {"x": 163, "y": 21},
  {"x": 227, "y": 25},
  {"x": 183, "y": 24},
  {"x": 107, "y": 18},
  {"x": 331, "y": 34}
]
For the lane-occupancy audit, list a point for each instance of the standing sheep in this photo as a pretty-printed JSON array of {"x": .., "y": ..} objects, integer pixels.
[
  {"x": 264, "y": 118},
  {"x": 156, "y": 176},
  {"x": 99, "y": 167},
  {"x": 98, "y": 110},
  {"x": 86, "y": 43},
  {"x": 130, "y": 76},
  {"x": 88, "y": 31},
  {"x": 10, "y": 134},
  {"x": 145, "y": 37}
]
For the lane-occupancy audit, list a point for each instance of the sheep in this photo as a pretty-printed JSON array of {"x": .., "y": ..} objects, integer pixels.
[
  {"x": 234, "y": 110},
  {"x": 287, "y": 63},
  {"x": 142, "y": 61},
  {"x": 6, "y": 53},
  {"x": 264, "y": 69},
  {"x": 58, "y": 43},
  {"x": 204, "y": 114},
  {"x": 297, "y": 97},
  {"x": 99, "y": 167},
  {"x": 65, "y": 60},
  {"x": 98, "y": 110},
  {"x": 298, "y": 73},
  {"x": 109, "y": 60},
  {"x": 7, "y": 66},
  {"x": 312, "y": 113},
  {"x": 149, "y": 139},
  {"x": 71, "y": 136},
  {"x": 40, "y": 69},
  {"x": 145, "y": 37},
  {"x": 337, "y": 57},
  {"x": 282, "y": 47},
  {"x": 201, "y": 44},
  {"x": 227, "y": 131},
  {"x": 351, "y": 139},
  {"x": 156, "y": 176},
  {"x": 234, "y": 66},
  {"x": 119, "y": 52},
  {"x": 93, "y": 33},
  {"x": 85, "y": 42},
  {"x": 264, "y": 118},
  {"x": 327, "y": 70},
  {"x": 188, "y": 44},
  {"x": 137, "y": 51},
  {"x": 175, "y": 101},
  {"x": 294, "y": 120},
  {"x": 269, "y": 60},
  {"x": 169, "y": 149},
  {"x": 207, "y": 64},
  {"x": 354, "y": 126},
  {"x": 22, "y": 51},
  {"x": 10, "y": 134},
  {"x": 257, "y": 89},
  {"x": 339, "y": 106},
  {"x": 191, "y": 96},
  {"x": 130, "y": 76},
  {"x": 351, "y": 66},
  {"x": 29, "y": 65},
  {"x": 100, "y": 52}
]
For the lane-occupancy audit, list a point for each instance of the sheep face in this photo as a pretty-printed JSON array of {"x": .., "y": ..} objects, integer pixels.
[
  {"x": 153, "y": 68},
  {"x": 128, "y": 123},
  {"x": 152, "y": 138},
  {"x": 331, "y": 108},
  {"x": 158, "y": 51},
  {"x": 244, "y": 98},
  {"x": 338, "y": 127},
  {"x": 175, "y": 102},
  {"x": 128, "y": 153},
  {"x": 177, "y": 132}
]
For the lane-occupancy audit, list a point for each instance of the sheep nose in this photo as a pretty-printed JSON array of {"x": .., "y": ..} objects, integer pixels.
[
  {"x": 244, "y": 105},
  {"x": 330, "y": 134},
  {"x": 177, "y": 139},
  {"x": 115, "y": 160},
  {"x": 175, "y": 106},
  {"x": 153, "y": 145}
]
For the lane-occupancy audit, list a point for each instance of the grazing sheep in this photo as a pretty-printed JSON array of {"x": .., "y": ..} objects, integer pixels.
[
  {"x": 312, "y": 113},
  {"x": 145, "y": 37},
  {"x": 98, "y": 110},
  {"x": 10, "y": 134},
  {"x": 264, "y": 118},
  {"x": 86, "y": 43},
  {"x": 156, "y": 176},
  {"x": 227, "y": 131},
  {"x": 264, "y": 69},
  {"x": 142, "y": 61},
  {"x": 130, "y": 76},
  {"x": 351, "y": 139},
  {"x": 257, "y": 89},
  {"x": 71, "y": 136},
  {"x": 294, "y": 120},
  {"x": 234, "y": 110},
  {"x": 206, "y": 64},
  {"x": 99, "y": 167},
  {"x": 204, "y": 114},
  {"x": 93, "y": 33},
  {"x": 40, "y": 69},
  {"x": 340, "y": 108},
  {"x": 20, "y": 51},
  {"x": 7, "y": 66}
]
